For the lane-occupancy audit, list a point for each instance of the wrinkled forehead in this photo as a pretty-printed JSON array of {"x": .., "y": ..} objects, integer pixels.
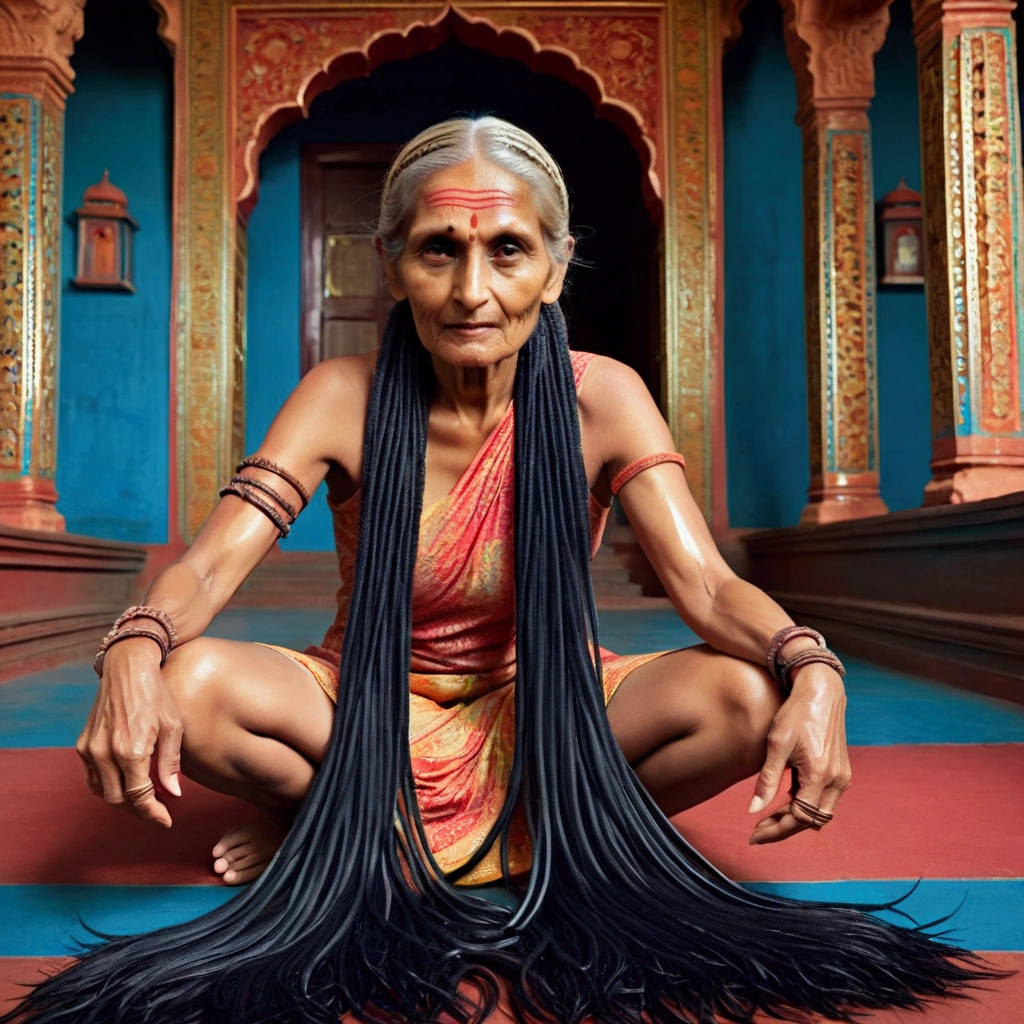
[{"x": 474, "y": 186}]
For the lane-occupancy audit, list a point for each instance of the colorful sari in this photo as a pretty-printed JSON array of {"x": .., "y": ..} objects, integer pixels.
[{"x": 463, "y": 667}]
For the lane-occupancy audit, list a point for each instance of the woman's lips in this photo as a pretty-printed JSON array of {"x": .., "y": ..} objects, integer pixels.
[{"x": 469, "y": 330}]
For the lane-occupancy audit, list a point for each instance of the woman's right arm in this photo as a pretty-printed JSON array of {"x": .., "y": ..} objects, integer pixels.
[{"x": 134, "y": 716}]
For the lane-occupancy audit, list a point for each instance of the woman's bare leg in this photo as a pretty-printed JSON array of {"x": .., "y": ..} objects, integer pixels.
[
  {"x": 693, "y": 722},
  {"x": 256, "y": 725}
]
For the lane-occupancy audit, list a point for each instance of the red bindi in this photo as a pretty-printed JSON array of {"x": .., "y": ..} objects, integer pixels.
[
  {"x": 473, "y": 221},
  {"x": 472, "y": 238}
]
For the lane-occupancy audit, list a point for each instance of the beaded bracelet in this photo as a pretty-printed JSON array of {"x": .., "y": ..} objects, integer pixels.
[
  {"x": 781, "y": 638},
  {"x": 126, "y": 634},
  {"x": 148, "y": 611},
  {"x": 814, "y": 654}
]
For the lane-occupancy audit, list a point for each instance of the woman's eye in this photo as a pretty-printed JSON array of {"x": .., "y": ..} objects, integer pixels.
[
  {"x": 438, "y": 248},
  {"x": 508, "y": 250}
]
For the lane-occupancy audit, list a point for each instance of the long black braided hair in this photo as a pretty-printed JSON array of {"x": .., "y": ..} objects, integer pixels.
[{"x": 620, "y": 918}]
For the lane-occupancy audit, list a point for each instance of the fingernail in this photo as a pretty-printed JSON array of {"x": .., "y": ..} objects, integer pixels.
[
  {"x": 175, "y": 785},
  {"x": 755, "y": 805}
]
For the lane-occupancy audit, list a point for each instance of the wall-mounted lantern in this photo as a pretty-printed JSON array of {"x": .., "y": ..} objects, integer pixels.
[
  {"x": 902, "y": 241},
  {"x": 104, "y": 245}
]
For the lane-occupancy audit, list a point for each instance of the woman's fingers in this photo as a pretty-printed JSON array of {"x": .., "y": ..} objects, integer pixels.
[
  {"x": 168, "y": 758},
  {"x": 140, "y": 793},
  {"x": 777, "y": 826}
]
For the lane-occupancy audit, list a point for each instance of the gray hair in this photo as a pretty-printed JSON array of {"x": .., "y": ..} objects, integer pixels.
[{"x": 453, "y": 142}]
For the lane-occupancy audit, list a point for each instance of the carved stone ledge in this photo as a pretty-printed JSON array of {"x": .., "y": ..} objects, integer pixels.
[{"x": 42, "y": 32}]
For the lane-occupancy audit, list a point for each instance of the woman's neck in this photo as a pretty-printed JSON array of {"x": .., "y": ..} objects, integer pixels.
[{"x": 476, "y": 394}]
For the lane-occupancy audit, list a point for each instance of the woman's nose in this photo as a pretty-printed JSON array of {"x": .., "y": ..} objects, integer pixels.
[{"x": 472, "y": 279}]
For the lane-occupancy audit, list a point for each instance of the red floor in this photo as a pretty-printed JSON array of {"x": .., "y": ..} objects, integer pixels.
[{"x": 55, "y": 835}]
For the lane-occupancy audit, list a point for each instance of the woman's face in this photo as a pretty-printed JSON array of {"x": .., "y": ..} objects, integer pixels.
[{"x": 475, "y": 268}]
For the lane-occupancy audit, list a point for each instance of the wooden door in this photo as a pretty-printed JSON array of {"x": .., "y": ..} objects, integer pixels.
[{"x": 345, "y": 301}]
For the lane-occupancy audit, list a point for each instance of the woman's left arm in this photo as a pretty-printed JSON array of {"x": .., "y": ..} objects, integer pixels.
[{"x": 621, "y": 424}]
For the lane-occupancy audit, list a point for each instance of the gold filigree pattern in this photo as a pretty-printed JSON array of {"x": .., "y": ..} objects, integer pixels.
[
  {"x": 849, "y": 344},
  {"x": 931, "y": 73},
  {"x": 238, "y": 348},
  {"x": 44, "y": 427},
  {"x": 993, "y": 232},
  {"x": 15, "y": 172},
  {"x": 205, "y": 343},
  {"x": 690, "y": 328}
]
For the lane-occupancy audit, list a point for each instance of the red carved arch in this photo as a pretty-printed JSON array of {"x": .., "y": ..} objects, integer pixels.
[{"x": 283, "y": 61}]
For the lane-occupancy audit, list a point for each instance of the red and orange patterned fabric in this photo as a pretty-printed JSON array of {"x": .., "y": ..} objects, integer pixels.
[{"x": 462, "y": 671}]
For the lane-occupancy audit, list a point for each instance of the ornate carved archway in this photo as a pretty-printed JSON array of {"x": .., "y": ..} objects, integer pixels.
[
  {"x": 284, "y": 60},
  {"x": 248, "y": 69}
]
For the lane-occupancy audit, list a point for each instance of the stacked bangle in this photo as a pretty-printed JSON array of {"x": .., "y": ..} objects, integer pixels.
[
  {"x": 821, "y": 654},
  {"x": 166, "y": 640},
  {"x": 281, "y": 512}
]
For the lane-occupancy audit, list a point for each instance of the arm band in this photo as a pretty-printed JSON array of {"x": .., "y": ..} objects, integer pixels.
[
  {"x": 246, "y": 494},
  {"x": 259, "y": 462},
  {"x": 639, "y": 465}
]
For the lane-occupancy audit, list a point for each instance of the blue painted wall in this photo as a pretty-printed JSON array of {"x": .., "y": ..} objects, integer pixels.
[
  {"x": 113, "y": 383},
  {"x": 765, "y": 375}
]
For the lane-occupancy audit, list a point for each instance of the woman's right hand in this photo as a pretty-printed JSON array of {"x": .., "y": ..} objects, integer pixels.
[{"x": 133, "y": 715}]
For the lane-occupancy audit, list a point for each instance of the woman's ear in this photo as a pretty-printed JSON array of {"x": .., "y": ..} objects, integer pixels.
[
  {"x": 553, "y": 285},
  {"x": 390, "y": 272}
]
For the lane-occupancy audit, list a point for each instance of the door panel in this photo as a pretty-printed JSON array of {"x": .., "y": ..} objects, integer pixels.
[{"x": 345, "y": 302}]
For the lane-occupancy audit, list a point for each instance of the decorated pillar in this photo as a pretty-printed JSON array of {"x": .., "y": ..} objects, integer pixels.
[
  {"x": 971, "y": 162},
  {"x": 832, "y": 48},
  {"x": 36, "y": 41}
]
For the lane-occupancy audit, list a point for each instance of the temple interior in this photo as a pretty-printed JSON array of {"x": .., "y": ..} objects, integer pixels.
[{"x": 800, "y": 221}]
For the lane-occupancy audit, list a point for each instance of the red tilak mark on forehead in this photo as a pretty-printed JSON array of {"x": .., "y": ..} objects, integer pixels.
[
  {"x": 471, "y": 199},
  {"x": 473, "y": 221}
]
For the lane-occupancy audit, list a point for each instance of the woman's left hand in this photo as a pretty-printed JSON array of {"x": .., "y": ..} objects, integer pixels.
[{"x": 808, "y": 734}]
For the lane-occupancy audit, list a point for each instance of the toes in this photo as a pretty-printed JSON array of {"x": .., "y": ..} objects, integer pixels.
[{"x": 239, "y": 876}]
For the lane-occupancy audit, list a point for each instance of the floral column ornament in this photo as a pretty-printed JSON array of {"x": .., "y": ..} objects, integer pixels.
[
  {"x": 36, "y": 41},
  {"x": 831, "y": 47},
  {"x": 971, "y": 162}
]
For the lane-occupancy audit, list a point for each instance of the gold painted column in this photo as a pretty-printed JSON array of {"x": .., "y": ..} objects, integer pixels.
[
  {"x": 832, "y": 48},
  {"x": 971, "y": 161},
  {"x": 36, "y": 41}
]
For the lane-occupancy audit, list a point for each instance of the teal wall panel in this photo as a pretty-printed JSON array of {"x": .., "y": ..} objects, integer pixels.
[
  {"x": 765, "y": 375},
  {"x": 114, "y": 347}
]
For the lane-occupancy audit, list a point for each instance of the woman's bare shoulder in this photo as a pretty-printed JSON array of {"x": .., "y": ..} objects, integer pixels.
[
  {"x": 618, "y": 414},
  {"x": 609, "y": 385}
]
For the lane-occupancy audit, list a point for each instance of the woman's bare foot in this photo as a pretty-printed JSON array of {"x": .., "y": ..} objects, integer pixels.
[{"x": 244, "y": 851}]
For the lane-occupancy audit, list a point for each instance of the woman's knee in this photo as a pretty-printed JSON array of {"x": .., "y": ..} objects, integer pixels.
[
  {"x": 750, "y": 699},
  {"x": 194, "y": 674}
]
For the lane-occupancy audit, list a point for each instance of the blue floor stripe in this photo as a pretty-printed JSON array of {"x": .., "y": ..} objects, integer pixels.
[
  {"x": 40, "y": 920},
  {"x": 49, "y": 709}
]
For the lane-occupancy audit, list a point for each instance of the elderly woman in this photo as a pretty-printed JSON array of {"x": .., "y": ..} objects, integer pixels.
[{"x": 452, "y": 728}]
